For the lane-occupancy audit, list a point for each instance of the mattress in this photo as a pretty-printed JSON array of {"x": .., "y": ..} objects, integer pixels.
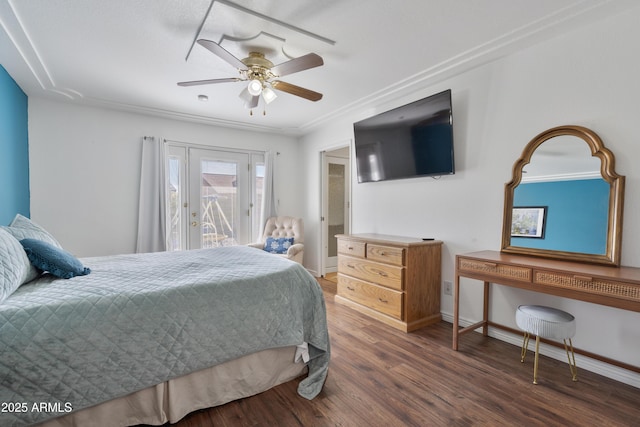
[{"x": 140, "y": 320}]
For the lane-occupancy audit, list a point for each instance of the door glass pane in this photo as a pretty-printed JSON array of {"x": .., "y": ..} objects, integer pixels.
[
  {"x": 336, "y": 205},
  {"x": 257, "y": 207},
  {"x": 175, "y": 194},
  {"x": 218, "y": 198}
]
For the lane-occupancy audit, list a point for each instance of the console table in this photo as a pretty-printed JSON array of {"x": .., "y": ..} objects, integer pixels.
[{"x": 611, "y": 286}]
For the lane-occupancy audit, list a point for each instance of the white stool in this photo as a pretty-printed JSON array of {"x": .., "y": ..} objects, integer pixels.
[{"x": 547, "y": 322}]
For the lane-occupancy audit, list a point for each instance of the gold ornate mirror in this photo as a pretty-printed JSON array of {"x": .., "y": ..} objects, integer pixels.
[{"x": 565, "y": 199}]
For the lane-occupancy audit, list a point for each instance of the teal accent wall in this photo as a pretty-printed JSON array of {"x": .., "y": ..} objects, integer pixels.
[
  {"x": 14, "y": 150},
  {"x": 577, "y": 214}
]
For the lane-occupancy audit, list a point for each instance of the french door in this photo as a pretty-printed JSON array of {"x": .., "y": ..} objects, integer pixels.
[
  {"x": 212, "y": 197},
  {"x": 217, "y": 202}
]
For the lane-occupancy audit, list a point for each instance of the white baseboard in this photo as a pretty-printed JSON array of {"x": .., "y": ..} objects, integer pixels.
[{"x": 583, "y": 362}]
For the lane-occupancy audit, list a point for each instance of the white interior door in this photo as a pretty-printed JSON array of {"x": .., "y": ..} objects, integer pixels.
[
  {"x": 336, "y": 179},
  {"x": 219, "y": 198}
]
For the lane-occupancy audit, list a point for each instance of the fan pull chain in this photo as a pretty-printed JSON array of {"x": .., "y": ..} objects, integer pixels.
[{"x": 264, "y": 112}]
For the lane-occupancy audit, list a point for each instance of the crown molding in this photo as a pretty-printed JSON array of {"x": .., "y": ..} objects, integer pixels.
[
  {"x": 540, "y": 30},
  {"x": 576, "y": 176},
  {"x": 188, "y": 117},
  {"x": 12, "y": 25}
]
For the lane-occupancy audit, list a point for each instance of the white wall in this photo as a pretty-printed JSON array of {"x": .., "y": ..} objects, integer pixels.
[
  {"x": 85, "y": 170},
  {"x": 588, "y": 77}
]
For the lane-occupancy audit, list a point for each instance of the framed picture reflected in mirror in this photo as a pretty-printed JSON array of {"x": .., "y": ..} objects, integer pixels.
[{"x": 528, "y": 221}]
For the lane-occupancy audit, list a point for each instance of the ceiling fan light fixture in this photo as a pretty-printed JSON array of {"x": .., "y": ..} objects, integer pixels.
[
  {"x": 268, "y": 95},
  {"x": 246, "y": 97},
  {"x": 255, "y": 87}
]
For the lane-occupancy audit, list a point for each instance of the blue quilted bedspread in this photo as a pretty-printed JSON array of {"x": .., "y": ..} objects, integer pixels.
[{"x": 139, "y": 320}]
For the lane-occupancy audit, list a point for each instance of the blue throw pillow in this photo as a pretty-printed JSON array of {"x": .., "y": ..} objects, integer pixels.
[
  {"x": 56, "y": 261},
  {"x": 278, "y": 245}
]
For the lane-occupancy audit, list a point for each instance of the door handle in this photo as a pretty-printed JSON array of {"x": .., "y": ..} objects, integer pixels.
[{"x": 194, "y": 223}]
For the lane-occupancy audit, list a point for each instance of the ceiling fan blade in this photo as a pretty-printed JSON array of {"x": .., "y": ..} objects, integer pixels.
[
  {"x": 297, "y": 90},
  {"x": 301, "y": 63},
  {"x": 210, "y": 81},
  {"x": 222, "y": 53}
]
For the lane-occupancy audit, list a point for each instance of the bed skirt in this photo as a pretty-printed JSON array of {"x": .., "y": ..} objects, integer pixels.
[{"x": 172, "y": 400}]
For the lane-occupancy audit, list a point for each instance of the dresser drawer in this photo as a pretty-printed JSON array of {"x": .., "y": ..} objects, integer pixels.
[
  {"x": 495, "y": 269},
  {"x": 351, "y": 247},
  {"x": 386, "y": 254},
  {"x": 379, "y": 298},
  {"x": 382, "y": 274},
  {"x": 588, "y": 284}
]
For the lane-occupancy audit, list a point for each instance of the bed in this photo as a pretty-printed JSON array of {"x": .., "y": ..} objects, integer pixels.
[{"x": 148, "y": 338}]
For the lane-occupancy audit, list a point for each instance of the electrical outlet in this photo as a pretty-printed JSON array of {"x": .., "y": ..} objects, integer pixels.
[{"x": 448, "y": 287}]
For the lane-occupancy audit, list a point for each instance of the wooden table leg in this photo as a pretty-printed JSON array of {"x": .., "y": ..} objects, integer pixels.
[
  {"x": 456, "y": 312},
  {"x": 485, "y": 311}
]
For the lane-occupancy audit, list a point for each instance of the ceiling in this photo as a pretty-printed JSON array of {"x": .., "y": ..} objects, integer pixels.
[{"x": 129, "y": 55}]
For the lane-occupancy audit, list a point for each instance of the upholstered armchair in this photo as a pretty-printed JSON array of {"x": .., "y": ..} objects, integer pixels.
[{"x": 283, "y": 236}]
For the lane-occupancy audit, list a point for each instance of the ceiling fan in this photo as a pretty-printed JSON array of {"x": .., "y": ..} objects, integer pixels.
[{"x": 262, "y": 75}]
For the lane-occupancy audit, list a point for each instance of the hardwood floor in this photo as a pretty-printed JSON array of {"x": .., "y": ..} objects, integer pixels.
[
  {"x": 383, "y": 377},
  {"x": 331, "y": 277}
]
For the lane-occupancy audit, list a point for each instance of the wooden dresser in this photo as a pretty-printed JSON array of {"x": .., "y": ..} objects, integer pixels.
[{"x": 393, "y": 279}]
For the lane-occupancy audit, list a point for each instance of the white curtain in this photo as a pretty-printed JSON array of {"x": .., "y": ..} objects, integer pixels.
[
  {"x": 152, "y": 226},
  {"x": 268, "y": 208}
]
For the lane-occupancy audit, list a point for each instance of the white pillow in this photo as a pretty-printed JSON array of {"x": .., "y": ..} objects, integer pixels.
[
  {"x": 23, "y": 228},
  {"x": 14, "y": 265}
]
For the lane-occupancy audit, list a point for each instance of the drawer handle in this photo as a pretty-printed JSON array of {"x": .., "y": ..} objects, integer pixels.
[
  {"x": 383, "y": 300},
  {"x": 383, "y": 274},
  {"x": 490, "y": 264},
  {"x": 350, "y": 288},
  {"x": 350, "y": 248},
  {"x": 350, "y": 266},
  {"x": 583, "y": 278}
]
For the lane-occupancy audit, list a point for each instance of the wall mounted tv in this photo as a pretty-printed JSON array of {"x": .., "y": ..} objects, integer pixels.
[{"x": 409, "y": 141}]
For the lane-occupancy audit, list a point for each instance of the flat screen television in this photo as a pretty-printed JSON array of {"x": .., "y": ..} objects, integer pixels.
[{"x": 409, "y": 141}]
